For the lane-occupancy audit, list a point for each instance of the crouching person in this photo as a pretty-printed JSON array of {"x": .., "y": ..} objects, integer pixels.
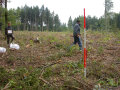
[{"x": 9, "y": 34}]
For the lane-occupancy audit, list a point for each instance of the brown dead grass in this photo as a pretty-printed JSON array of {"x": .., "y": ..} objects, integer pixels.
[{"x": 101, "y": 48}]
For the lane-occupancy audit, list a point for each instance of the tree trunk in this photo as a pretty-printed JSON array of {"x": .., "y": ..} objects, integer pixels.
[
  {"x": 18, "y": 27},
  {"x": 41, "y": 25},
  {"x": 36, "y": 23},
  {"x": 24, "y": 26},
  {"x": 37, "y": 26},
  {"x": 48, "y": 25},
  {"x": 0, "y": 17},
  {"x": 6, "y": 14}
]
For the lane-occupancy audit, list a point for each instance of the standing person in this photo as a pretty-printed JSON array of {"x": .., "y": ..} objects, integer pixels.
[
  {"x": 9, "y": 33},
  {"x": 77, "y": 35}
]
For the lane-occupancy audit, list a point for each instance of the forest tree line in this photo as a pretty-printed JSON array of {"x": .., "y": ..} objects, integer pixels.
[
  {"x": 94, "y": 23},
  {"x": 42, "y": 19},
  {"x": 33, "y": 19}
]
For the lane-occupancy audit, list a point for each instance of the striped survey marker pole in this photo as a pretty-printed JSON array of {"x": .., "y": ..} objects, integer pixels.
[{"x": 85, "y": 51}]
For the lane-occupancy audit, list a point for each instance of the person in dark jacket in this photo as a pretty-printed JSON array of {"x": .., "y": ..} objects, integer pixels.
[
  {"x": 76, "y": 35},
  {"x": 9, "y": 33}
]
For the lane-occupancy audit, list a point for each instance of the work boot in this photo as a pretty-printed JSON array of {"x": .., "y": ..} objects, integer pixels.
[{"x": 80, "y": 49}]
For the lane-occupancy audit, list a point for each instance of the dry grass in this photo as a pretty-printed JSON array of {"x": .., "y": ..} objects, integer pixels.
[{"x": 58, "y": 63}]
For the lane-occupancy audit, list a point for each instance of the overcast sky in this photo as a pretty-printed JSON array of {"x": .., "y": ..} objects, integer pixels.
[{"x": 67, "y": 8}]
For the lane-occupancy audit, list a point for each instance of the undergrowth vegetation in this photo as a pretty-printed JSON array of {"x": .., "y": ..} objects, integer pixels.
[{"x": 54, "y": 63}]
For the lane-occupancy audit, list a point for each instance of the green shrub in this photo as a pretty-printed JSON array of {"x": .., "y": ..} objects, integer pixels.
[
  {"x": 4, "y": 77},
  {"x": 25, "y": 79},
  {"x": 100, "y": 50},
  {"x": 48, "y": 72}
]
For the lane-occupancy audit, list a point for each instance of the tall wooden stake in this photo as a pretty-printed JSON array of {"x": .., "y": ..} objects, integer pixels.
[{"x": 6, "y": 19}]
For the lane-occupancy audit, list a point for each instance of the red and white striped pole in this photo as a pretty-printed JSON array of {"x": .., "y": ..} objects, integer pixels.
[{"x": 85, "y": 51}]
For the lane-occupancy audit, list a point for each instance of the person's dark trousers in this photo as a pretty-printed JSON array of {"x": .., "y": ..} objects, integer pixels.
[
  {"x": 8, "y": 38},
  {"x": 79, "y": 41}
]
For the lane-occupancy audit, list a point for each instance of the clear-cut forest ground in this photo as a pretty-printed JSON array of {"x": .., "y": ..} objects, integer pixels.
[{"x": 51, "y": 64}]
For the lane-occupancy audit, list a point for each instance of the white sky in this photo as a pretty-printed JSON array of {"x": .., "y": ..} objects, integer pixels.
[{"x": 67, "y": 8}]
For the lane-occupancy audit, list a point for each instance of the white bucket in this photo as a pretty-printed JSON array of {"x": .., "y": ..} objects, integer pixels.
[
  {"x": 14, "y": 46},
  {"x": 2, "y": 50}
]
